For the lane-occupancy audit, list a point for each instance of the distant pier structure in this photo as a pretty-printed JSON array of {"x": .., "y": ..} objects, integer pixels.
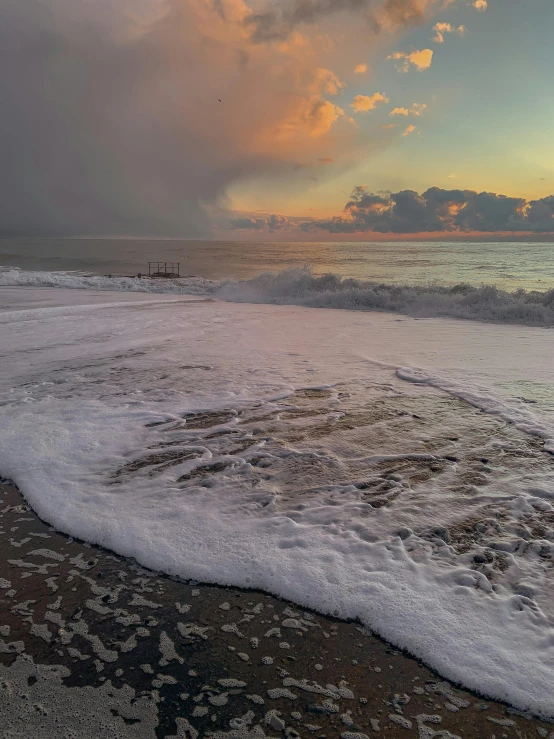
[{"x": 164, "y": 269}]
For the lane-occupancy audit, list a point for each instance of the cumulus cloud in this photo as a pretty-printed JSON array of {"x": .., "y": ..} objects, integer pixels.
[
  {"x": 480, "y": 4},
  {"x": 360, "y": 68},
  {"x": 365, "y": 103},
  {"x": 439, "y": 210},
  {"x": 408, "y": 130},
  {"x": 441, "y": 28},
  {"x": 270, "y": 223},
  {"x": 419, "y": 60},
  {"x": 416, "y": 109}
]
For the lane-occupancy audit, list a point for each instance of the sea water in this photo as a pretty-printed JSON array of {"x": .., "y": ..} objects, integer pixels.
[
  {"x": 366, "y": 463},
  {"x": 507, "y": 265}
]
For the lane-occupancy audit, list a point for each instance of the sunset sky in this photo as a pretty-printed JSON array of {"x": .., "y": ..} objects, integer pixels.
[{"x": 276, "y": 118}]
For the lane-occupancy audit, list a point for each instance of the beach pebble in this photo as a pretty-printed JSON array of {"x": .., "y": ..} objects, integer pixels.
[
  {"x": 273, "y": 719},
  {"x": 291, "y": 623}
]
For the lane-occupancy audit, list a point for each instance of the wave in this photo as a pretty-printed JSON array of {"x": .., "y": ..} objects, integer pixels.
[
  {"x": 302, "y": 287},
  {"x": 15, "y": 277}
]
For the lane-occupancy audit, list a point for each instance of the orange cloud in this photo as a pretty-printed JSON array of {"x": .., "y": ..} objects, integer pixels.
[
  {"x": 480, "y": 4},
  {"x": 360, "y": 68},
  {"x": 419, "y": 59},
  {"x": 365, "y": 103},
  {"x": 441, "y": 28},
  {"x": 410, "y": 129},
  {"x": 393, "y": 14},
  {"x": 416, "y": 109}
]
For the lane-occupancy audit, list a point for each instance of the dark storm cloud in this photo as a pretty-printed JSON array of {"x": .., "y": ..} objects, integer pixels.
[
  {"x": 439, "y": 210},
  {"x": 129, "y": 117},
  {"x": 262, "y": 223},
  {"x": 82, "y": 149}
]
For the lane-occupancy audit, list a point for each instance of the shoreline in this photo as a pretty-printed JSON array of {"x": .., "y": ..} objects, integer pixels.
[{"x": 204, "y": 660}]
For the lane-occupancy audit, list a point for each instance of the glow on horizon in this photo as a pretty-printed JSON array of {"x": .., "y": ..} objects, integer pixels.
[{"x": 467, "y": 129}]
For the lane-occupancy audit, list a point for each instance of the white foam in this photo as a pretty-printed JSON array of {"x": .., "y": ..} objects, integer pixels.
[
  {"x": 35, "y": 702},
  {"x": 301, "y": 287},
  {"x": 13, "y": 276},
  {"x": 83, "y": 388}
]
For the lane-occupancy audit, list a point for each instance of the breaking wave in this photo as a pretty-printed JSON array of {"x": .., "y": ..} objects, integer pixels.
[{"x": 302, "y": 287}]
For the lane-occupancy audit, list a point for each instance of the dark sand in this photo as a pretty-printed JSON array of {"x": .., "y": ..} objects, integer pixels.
[{"x": 150, "y": 656}]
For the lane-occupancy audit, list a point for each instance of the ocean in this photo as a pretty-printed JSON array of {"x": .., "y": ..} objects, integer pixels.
[
  {"x": 498, "y": 282},
  {"x": 507, "y": 265},
  {"x": 329, "y": 431}
]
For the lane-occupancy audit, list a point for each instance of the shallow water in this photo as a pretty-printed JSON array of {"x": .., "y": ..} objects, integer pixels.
[{"x": 361, "y": 464}]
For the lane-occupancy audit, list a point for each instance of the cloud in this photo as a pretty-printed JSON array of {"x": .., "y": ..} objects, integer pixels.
[
  {"x": 320, "y": 116},
  {"x": 279, "y": 20},
  {"x": 111, "y": 116},
  {"x": 111, "y": 121},
  {"x": 420, "y": 60},
  {"x": 360, "y": 69},
  {"x": 416, "y": 109},
  {"x": 439, "y": 210},
  {"x": 441, "y": 28},
  {"x": 480, "y": 4},
  {"x": 365, "y": 103},
  {"x": 408, "y": 130},
  {"x": 270, "y": 223}
]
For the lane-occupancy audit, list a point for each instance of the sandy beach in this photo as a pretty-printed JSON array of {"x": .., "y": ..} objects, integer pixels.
[{"x": 95, "y": 645}]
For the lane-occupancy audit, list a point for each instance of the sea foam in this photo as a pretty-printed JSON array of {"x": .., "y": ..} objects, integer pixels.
[
  {"x": 302, "y": 287},
  {"x": 292, "y": 450}
]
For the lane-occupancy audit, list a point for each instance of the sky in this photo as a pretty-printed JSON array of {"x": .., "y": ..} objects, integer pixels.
[{"x": 266, "y": 119}]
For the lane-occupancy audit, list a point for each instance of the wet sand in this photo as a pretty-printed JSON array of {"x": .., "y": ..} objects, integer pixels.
[{"x": 140, "y": 654}]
